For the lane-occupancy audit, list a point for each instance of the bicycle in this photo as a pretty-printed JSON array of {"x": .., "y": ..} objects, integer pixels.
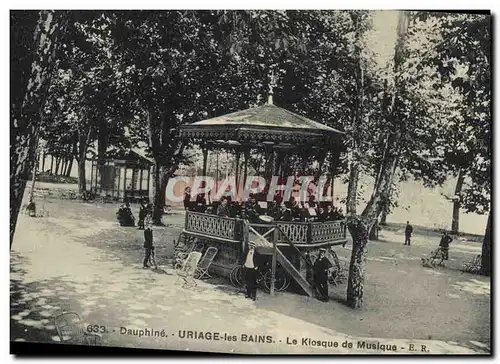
[
  {"x": 281, "y": 283},
  {"x": 438, "y": 255}
]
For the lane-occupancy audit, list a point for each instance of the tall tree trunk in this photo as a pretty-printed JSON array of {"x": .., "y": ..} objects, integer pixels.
[
  {"x": 33, "y": 179},
  {"x": 374, "y": 232},
  {"x": 84, "y": 135},
  {"x": 73, "y": 154},
  {"x": 383, "y": 218},
  {"x": 486, "y": 249},
  {"x": 58, "y": 163},
  {"x": 64, "y": 167},
  {"x": 157, "y": 195},
  {"x": 357, "y": 229},
  {"x": 82, "y": 182},
  {"x": 25, "y": 123},
  {"x": 43, "y": 160},
  {"x": 356, "y": 280},
  {"x": 70, "y": 167},
  {"x": 51, "y": 164},
  {"x": 359, "y": 226},
  {"x": 102, "y": 145},
  {"x": 456, "y": 203}
]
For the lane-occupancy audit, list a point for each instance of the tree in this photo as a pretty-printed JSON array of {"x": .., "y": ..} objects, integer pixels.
[
  {"x": 394, "y": 112},
  {"x": 454, "y": 50},
  {"x": 25, "y": 117}
]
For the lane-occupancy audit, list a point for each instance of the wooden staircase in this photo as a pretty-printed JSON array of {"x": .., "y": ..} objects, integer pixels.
[
  {"x": 290, "y": 268},
  {"x": 281, "y": 258},
  {"x": 294, "y": 273}
]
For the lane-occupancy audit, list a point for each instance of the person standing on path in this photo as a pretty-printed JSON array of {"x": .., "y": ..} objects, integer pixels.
[
  {"x": 320, "y": 270},
  {"x": 444, "y": 244},
  {"x": 250, "y": 271},
  {"x": 144, "y": 210},
  {"x": 148, "y": 242},
  {"x": 408, "y": 232}
]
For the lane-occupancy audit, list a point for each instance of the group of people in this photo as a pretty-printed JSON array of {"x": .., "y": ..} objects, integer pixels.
[
  {"x": 251, "y": 209},
  {"x": 125, "y": 216},
  {"x": 444, "y": 243}
]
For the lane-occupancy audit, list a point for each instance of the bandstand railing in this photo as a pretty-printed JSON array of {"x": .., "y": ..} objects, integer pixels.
[
  {"x": 327, "y": 231},
  {"x": 231, "y": 229},
  {"x": 297, "y": 232},
  {"x": 207, "y": 225}
]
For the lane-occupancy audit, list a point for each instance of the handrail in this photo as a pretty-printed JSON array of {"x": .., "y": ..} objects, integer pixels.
[
  {"x": 259, "y": 236},
  {"x": 294, "y": 247}
]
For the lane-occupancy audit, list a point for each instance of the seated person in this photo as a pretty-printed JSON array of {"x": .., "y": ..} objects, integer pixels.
[
  {"x": 223, "y": 210},
  {"x": 212, "y": 209},
  {"x": 329, "y": 214},
  {"x": 201, "y": 203},
  {"x": 312, "y": 201},
  {"x": 336, "y": 214},
  {"x": 296, "y": 210},
  {"x": 320, "y": 213},
  {"x": 124, "y": 215},
  {"x": 250, "y": 211},
  {"x": 286, "y": 214},
  {"x": 233, "y": 209},
  {"x": 187, "y": 198}
]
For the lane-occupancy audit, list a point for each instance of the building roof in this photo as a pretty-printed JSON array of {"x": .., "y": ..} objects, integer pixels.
[
  {"x": 130, "y": 156},
  {"x": 260, "y": 124}
]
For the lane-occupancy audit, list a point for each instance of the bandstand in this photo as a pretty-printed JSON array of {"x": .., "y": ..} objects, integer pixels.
[{"x": 278, "y": 133}]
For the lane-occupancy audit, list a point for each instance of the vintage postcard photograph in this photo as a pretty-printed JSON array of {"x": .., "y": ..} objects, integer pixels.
[{"x": 251, "y": 181}]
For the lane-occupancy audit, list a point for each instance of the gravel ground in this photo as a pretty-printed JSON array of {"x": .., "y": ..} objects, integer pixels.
[{"x": 79, "y": 259}]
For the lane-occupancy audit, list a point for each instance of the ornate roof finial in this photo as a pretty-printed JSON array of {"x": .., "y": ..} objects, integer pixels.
[
  {"x": 270, "y": 95},
  {"x": 270, "y": 99}
]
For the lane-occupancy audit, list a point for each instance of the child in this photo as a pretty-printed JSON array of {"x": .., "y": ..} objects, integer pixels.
[{"x": 149, "y": 254}]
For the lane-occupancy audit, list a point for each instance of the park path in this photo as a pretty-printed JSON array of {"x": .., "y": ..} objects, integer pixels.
[{"x": 52, "y": 271}]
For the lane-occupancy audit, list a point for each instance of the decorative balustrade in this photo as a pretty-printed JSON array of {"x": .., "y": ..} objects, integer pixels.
[
  {"x": 327, "y": 231},
  {"x": 301, "y": 233},
  {"x": 297, "y": 232},
  {"x": 212, "y": 225}
]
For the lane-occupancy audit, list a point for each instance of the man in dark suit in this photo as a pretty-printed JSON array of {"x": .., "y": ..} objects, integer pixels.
[
  {"x": 144, "y": 210},
  {"x": 408, "y": 232},
  {"x": 444, "y": 244},
  {"x": 320, "y": 270},
  {"x": 187, "y": 198}
]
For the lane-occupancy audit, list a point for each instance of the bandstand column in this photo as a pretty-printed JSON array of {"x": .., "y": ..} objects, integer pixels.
[
  {"x": 205, "y": 158},
  {"x": 237, "y": 173},
  {"x": 245, "y": 168}
]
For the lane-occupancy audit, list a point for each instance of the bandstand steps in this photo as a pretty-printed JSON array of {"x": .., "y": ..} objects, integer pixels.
[{"x": 289, "y": 267}]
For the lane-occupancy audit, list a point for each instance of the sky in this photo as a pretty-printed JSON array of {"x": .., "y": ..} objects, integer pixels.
[{"x": 383, "y": 37}]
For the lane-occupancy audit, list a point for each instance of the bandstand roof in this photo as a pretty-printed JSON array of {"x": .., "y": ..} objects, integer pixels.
[{"x": 268, "y": 124}]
